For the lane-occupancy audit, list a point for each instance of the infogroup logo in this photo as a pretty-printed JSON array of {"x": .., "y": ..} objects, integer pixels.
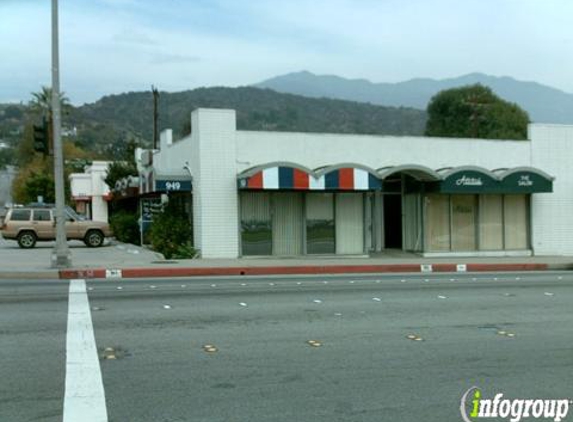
[{"x": 513, "y": 409}]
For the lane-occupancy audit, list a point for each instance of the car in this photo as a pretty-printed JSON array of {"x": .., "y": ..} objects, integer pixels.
[{"x": 32, "y": 223}]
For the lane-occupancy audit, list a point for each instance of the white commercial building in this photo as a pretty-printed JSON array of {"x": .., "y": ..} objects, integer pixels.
[
  {"x": 90, "y": 192},
  {"x": 288, "y": 194}
]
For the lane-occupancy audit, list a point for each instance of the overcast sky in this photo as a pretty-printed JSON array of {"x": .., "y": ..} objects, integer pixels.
[{"x": 114, "y": 46}]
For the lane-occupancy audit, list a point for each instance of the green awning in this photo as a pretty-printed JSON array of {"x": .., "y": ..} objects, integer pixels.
[
  {"x": 477, "y": 180},
  {"x": 525, "y": 180},
  {"x": 467, "y": 179}
]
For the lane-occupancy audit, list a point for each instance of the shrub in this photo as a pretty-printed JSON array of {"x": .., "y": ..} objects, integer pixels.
[
  {"x": 170, "y": 232},
  {"x": 125, "y": 227}
]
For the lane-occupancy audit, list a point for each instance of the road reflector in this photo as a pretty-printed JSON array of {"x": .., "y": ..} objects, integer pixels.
[{"x": 414, "y": 337}]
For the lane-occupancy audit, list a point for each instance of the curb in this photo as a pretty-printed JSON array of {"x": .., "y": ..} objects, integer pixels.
[{"x": 301, "y": 270}]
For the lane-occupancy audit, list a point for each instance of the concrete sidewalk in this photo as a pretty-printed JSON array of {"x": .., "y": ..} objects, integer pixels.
[
  {"x": 16, "y": 263},
  {"x": 117, "y": 260}
]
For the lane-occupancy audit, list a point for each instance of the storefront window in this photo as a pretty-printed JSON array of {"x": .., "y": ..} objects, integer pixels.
[
  {"x": 256, "y": 234},
  {"x": 490, "y": 222},
  {"x": 438, "y": 223},
  {"x": 349, "y": 223},
  {"x": 516, "y": 226},
  {"x": 463, "y": 222},
  {"x": 320, "y": 223},
  {"x": 287, "y": 224}
]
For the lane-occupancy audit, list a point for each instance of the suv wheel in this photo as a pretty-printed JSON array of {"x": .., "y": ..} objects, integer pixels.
[
  {"x": 27, "y": 239},
  {"x": 93, "y": 239}
]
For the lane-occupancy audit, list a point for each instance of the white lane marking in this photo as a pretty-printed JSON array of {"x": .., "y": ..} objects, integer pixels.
[{"x": 84, "y": 398}]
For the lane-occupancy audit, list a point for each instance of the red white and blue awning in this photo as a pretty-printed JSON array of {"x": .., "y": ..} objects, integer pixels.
[{"x": 292, "y": 177}]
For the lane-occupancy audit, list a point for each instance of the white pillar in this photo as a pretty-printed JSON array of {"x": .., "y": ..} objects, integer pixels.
[{"x": 215, "y": 197}]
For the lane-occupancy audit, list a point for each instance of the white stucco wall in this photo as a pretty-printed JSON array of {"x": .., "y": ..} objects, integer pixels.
[
  {"x": 91, "y": 184},
  {"x": 552, "y": 213},
  {"x": 215, "y": 197},
  {"x": 315, "y": 150}
]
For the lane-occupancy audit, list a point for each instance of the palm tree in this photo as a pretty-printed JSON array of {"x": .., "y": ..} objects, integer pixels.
[{"x": 41, "y": 102}]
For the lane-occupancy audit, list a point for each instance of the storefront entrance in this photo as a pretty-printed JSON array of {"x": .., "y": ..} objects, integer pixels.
[{"x": 392, "y": 221}]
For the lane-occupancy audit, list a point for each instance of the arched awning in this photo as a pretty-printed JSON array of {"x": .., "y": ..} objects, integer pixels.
[
  {"x": 274, "y": 176},
  {"x": 467, "y": 179},
  {"x": 349, "y": 176},
  {"x": 526, "y": 180},
  {"x": 418, "y": 172},
  {"x": 291, "y": 176},
  {"x": 475, "y": 180}
]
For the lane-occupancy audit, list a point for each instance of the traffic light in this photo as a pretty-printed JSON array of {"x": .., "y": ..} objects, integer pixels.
[{"x": 41, "y": 138}]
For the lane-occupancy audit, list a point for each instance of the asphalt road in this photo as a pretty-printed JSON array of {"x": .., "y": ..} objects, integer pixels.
[{"x": 364, "y": 367}]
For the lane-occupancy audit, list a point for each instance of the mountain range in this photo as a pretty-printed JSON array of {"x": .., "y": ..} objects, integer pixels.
[{"x": 543, "y": 103}]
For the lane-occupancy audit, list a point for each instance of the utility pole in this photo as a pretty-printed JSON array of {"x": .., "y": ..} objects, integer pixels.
[
  {"x": 61, "y": 257},
  {"x": 155, "y": 117}
]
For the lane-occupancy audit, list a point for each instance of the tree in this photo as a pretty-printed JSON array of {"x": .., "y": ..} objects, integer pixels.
[
  {"x": 41, "y": 102},
  {"x": 475, "y": 112},
  {"x": 126, "y": 167}
]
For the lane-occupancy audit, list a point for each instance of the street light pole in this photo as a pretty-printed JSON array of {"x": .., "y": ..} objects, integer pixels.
[{"x": 61, "y": 256}]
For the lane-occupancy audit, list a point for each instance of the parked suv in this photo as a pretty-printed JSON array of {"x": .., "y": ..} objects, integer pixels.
[{"x": 29, "y": 224}]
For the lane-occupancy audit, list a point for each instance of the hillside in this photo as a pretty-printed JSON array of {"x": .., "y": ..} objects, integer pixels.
[
  {"x": 543, "y": 103},
  {"x": 105, "y": 126},
  {"x": 257, "y": 109}
]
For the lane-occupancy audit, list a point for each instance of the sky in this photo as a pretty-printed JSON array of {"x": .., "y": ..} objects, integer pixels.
[{"x": 114, "y": 46}]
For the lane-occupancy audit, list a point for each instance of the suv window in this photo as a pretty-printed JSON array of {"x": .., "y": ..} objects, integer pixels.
[
  {"x": 20, "y": 215},
  {"x": 42, "y": 215}
]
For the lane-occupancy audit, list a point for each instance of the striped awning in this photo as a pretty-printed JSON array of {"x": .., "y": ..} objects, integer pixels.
[{"x": 292, "y": 177}]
